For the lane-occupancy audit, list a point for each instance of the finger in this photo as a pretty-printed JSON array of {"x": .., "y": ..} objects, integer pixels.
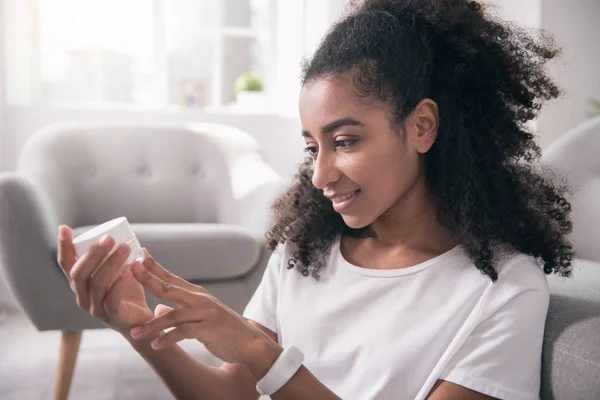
[
  {"x": 124, "y": 286},
  {"x": 162, "y": 273},
  {"x": 161, "y": 309},
  {"x": 185, "y": 331},
  {"x": 159, "y": 288},
  {"x": 66, "y": 251},
  {"x": 170, "y": 319},
  {"x": 85, "y": 266},
  {"x": 104, "y": 276}
]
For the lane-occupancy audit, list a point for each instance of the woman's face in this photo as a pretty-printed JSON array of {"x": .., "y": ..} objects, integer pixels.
[{"x": 355, "y": 149}]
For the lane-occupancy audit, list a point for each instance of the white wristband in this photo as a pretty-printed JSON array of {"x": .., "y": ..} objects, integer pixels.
[{"x": 286, "y": 365}]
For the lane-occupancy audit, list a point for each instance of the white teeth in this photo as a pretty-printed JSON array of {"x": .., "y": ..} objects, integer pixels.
[{"x": 342, "y": 198}]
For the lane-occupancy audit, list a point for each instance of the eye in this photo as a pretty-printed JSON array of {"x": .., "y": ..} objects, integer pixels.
[
  {"x": 344, "y": 143},
  {"x": 311, "y": 150}
]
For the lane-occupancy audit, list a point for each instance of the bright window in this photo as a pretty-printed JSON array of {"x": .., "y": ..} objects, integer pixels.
[
  {"x": 150, "y": 52},
  {"x": 160, "y": 54}
]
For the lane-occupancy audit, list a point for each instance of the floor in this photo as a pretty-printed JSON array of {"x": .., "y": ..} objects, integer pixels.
[{"x": 107, "y": 367}]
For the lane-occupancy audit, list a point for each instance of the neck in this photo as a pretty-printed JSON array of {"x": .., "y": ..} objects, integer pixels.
[{"x": 412, "y": 223}]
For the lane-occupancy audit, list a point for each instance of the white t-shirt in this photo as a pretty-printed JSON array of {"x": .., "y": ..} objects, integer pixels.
[{"x": 391, "y": 334}]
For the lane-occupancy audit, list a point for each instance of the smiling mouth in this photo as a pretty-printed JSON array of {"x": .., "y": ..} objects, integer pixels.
[
  {"x": 343, "y": 198},
  {"x": 343, "y": 203}
]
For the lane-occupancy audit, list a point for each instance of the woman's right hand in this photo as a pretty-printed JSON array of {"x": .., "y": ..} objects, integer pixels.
[{"x": 103, "y": 285}]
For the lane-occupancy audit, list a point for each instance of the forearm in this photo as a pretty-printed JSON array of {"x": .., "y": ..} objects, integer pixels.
[
  {"x": 184, "y": 376},
  {"x": 303, "y": 385}
]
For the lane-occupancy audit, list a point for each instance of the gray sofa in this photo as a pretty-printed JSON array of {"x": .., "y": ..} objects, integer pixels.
[
  {"x": 197, "y": 196},
  {"x": 571, "y": 354}
]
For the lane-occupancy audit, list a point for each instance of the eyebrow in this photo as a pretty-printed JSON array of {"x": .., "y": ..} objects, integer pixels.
[{"x": 332, "y": 126}]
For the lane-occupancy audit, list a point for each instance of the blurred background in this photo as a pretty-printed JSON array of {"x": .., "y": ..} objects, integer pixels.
[
  {"x": 233, "y": 62},
  {"x": 173, "y": 60}
]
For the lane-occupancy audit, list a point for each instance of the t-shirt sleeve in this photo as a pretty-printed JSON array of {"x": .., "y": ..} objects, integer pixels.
[
  {"x": 262, "y": 307},
  {"x": 502, "y": 355}
]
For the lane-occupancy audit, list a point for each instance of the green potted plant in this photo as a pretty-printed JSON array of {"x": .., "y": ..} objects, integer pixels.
[
  {"x": 249, "y": 90},
  {"x": 594, "y": 108}
]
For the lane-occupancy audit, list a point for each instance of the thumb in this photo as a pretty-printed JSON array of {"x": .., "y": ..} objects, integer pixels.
[{"x": 161, "y": 309}]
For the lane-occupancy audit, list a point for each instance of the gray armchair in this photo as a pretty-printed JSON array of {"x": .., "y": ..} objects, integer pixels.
[
  {"x": 571, "y": 354},
  {"x": 197, "y": 196}
]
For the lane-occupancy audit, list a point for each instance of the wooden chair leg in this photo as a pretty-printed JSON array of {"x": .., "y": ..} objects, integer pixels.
[{"x": 69, "y": 348}]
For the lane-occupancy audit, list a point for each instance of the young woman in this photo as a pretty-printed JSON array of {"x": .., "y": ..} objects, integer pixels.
[{"x": 410, "y": 252}]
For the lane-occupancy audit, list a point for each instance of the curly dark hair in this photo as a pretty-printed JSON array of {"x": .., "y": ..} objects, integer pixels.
[{"x": 483, "y": 172}]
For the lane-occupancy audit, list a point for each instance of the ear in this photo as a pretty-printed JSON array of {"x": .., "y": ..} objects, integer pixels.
[{"x": 425, "y": 120}]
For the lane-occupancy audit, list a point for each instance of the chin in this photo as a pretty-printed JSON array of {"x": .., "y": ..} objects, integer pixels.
[{"x": 355, "y": 222}]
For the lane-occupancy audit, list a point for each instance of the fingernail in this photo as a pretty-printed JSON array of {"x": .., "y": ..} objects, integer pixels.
[
  {"x": 154, "y": 344},
  {"x": 137, "y": 266},
  {"x": 123, "y": 249},
  {"x": 135, "y": 332},
  {"x": 104, "y": 240}
]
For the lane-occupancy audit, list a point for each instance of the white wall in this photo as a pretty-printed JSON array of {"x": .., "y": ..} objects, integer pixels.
[
  {"x": 526, "y": 13},
  {"x": 576, "y": 26},
  {"x": 297, "y": 38},
  {"x": 2, "y": 77},
  {"x": 6, "y": 299}
]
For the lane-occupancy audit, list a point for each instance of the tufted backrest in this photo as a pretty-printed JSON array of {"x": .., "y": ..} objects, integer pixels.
[
  {"x": 576, "y": 155},
  {"x": 89, "y": 174}
]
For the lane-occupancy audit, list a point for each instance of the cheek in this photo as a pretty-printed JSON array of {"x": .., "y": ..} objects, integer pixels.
[
  {"x": 391, "y": 175},
  {"x": 357, "y": 168},
  {"x": 380, "y": 173}
]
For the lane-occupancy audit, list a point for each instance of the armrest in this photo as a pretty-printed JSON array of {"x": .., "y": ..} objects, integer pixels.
[
  {"x": 253, "y": 187},
  {"x": 571, "y": 340},
  {"x": 256, "y": 207},
  {"x": 28, "y": 233}
]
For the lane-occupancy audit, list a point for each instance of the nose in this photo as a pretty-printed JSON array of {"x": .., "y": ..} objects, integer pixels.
[{"x": 325, "y": 171}]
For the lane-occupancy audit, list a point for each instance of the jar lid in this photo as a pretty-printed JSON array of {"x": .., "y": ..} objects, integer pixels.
[{"x": 118, "y": 228}]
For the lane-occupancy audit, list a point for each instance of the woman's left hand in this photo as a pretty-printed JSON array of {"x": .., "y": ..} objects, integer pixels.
[{"x": 225, "y": 333}]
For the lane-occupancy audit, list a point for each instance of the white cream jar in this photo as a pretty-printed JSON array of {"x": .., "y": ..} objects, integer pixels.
[{"x": 119, "y": 229}]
